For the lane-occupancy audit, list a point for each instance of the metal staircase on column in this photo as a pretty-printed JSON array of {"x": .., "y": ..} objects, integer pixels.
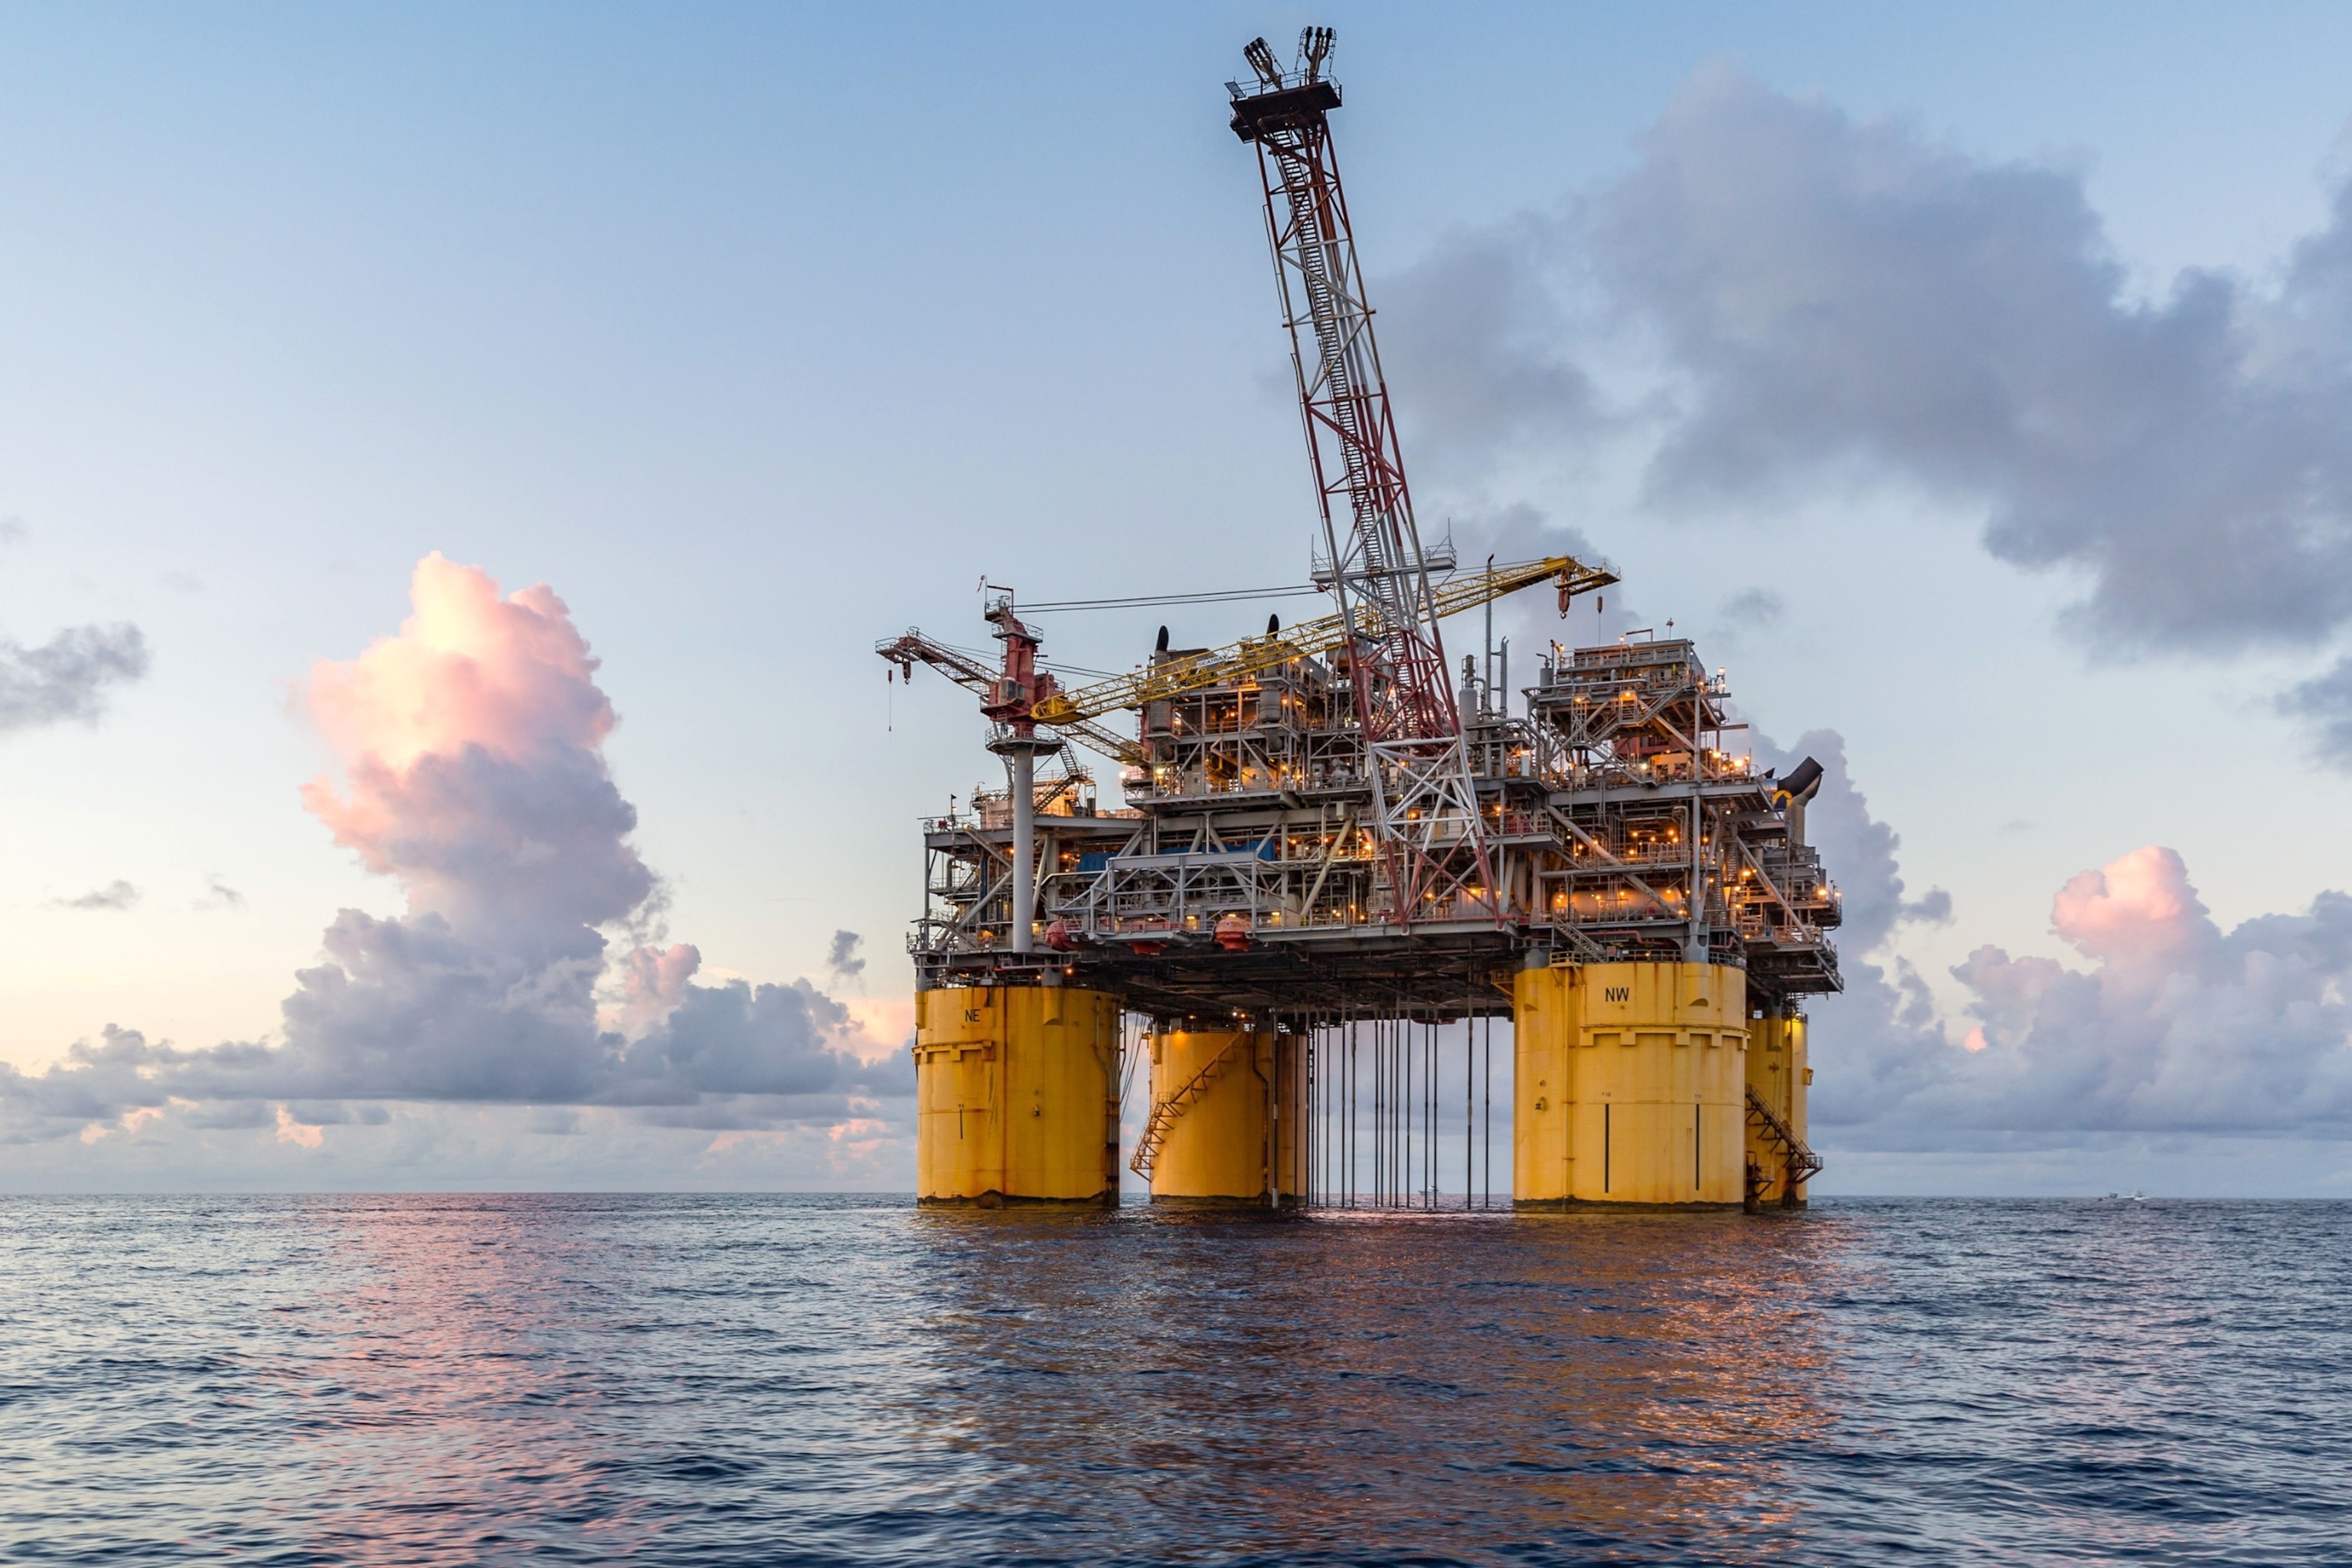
[
  {"x": 1801, "y": 1163},
  {"x": 1165, "y": 1112}
]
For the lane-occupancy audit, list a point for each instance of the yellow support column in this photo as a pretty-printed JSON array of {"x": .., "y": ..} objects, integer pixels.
[
  {"x": 1548, "y": 1018},
  {"x": 1232, "y": 1104},
  {"x": 1630, "y": 1085},
  {"x": 1778, "y": 1073},
  {"x": 1016, "y": 1093}
]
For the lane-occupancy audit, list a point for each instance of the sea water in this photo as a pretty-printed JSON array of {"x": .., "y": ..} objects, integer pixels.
[{"x": 850, "y": 1380}]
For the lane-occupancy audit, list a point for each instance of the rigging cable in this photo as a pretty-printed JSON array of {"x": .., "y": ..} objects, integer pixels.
[{"x": 1209, "y": 596}]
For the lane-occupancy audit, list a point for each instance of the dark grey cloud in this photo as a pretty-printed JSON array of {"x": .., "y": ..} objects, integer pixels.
[
  {"x": 1933, "y": 908},
  {"x": 415, "y": 1008},
  {"x": 2326, "y": 699},
  {"x": 1841, "y": 291},
  {"x": 1830, "y": 296},
  {"x": 408, "y": 1011},
  {"x": 116, "y": 895},
  {"x": 231, "y": 1116},
  {"x": 1878, "y": 1043},
  {"x": 1756, "y": 609},
  {"x": 841, "y": 960},
  {"x": 1473, "y": 333},
  {"x": 519, "y": 851},
  {"x": 70, "y": 676},
  {"x": 743, "y": 1039},
  {"x": 740, "y": 1056}
]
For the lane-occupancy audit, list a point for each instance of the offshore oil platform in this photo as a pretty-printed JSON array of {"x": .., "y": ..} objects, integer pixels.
[{"x": 1333, "y": 860}]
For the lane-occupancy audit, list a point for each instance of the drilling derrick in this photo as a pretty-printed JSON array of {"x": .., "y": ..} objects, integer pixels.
[
  {"x": 1324, "y": 860},
  {"x": 1425, "y": 808}
]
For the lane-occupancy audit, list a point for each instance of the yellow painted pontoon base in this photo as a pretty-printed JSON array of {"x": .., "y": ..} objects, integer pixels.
[
  {"x": 1016, "y": 1095},
  {"x": 1219, "y": 1148},
  {"x": 1777, "y": 1071},
  {"x": 1630, "y": 1086}
]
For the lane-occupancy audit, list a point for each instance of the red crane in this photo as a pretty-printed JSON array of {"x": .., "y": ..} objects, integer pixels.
[{"x": 1426, "y": 807}]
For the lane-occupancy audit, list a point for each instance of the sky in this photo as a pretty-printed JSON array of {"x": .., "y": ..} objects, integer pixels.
[{"x": 600, "y": 383}]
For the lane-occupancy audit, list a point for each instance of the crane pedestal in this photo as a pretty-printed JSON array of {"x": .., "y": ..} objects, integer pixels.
[
  {"x": 1630, "y": 1086},
  {"x": 1016, "y": 1090},
  {"x": 1225, "y": 1112}
]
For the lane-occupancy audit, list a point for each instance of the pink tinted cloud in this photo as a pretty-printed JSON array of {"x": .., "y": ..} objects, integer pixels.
[
  {"x": 653, "y": 984},
  {"x": 2135, "y": 908},
  {"x": 2177, "y": 1026},
  {"x": 473, "y": 772},
  {"x": 472, "y": 745},
  {"x": 467, "y": 668}
]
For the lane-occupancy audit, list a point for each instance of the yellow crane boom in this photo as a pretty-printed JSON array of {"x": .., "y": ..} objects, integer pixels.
[{"x": 1319, "y": 638}]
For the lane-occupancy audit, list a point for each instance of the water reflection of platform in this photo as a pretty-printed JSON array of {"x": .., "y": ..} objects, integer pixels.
[{"x": 1375, "y": 1385}]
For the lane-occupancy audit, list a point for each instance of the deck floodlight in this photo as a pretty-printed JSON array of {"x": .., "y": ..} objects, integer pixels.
[
  {"x": 1261, "y": 60},
  {"x": 1314, "y": 48}
]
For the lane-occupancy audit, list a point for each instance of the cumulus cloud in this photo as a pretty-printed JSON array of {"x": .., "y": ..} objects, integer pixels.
[
  {"x": 473, "y": 774},
  {"x": 68, "y": 677},
  {"x": 116, "y": 895},
  {"x": 474, "y": 769},
  {"x": 2176, "y": 1026},
  {"x": 2169, "y": 1025},
  {"x": 740, "y": 1055},
  {"x": 653, "y": 984},
  {"x": 1819, "y": 294},
  {"x": 1878, "y": 1043}
]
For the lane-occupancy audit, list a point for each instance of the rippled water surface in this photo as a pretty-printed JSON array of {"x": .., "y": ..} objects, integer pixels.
[{"x": 824, "y": 1380}]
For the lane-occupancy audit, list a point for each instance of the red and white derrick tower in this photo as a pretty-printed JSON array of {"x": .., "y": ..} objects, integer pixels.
[{"x": 1425, "y": 808}]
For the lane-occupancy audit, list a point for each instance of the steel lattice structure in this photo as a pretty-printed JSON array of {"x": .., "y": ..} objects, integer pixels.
[
  {"x": 1317, "y": 823},
  {"x": 1424, "y": 807},
  {"x": 1320, "y": 852}
]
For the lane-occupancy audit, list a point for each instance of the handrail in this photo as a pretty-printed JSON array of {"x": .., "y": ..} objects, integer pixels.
[{"x": 1803, "y": 1163}]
